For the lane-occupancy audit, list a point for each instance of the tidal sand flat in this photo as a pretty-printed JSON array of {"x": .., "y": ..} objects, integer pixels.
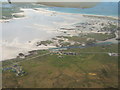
[{"x": 21, "y": 34}]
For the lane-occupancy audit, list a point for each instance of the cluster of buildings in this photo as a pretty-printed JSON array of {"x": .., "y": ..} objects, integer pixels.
[
  {"x": 22, "y": 56},
  {"x": 17, "y": 69},
  {"x": 91, "y": 26},
  {"x": 114, "y": 54},
  {"x": 57, "y": 52}
]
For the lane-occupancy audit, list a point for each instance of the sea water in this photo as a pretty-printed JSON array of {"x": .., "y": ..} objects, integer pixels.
[{"x": 103, "y": 8}]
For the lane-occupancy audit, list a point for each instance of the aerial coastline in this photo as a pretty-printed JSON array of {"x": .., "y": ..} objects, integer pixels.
[
  {"x": 43, "y": 47},
  {"x": 82, "y": 18}
]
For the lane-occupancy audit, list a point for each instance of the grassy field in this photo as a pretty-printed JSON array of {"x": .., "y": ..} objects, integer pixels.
[
  {"x": 96, "y": 36},
  {"x": 80, "y": 71},
  {"x": 100, "y": 37}
]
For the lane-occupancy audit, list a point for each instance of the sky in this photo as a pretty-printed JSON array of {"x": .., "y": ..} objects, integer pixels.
[
  {"x": 111, "y": 0},
  {"x": 71, "y": 0}
]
